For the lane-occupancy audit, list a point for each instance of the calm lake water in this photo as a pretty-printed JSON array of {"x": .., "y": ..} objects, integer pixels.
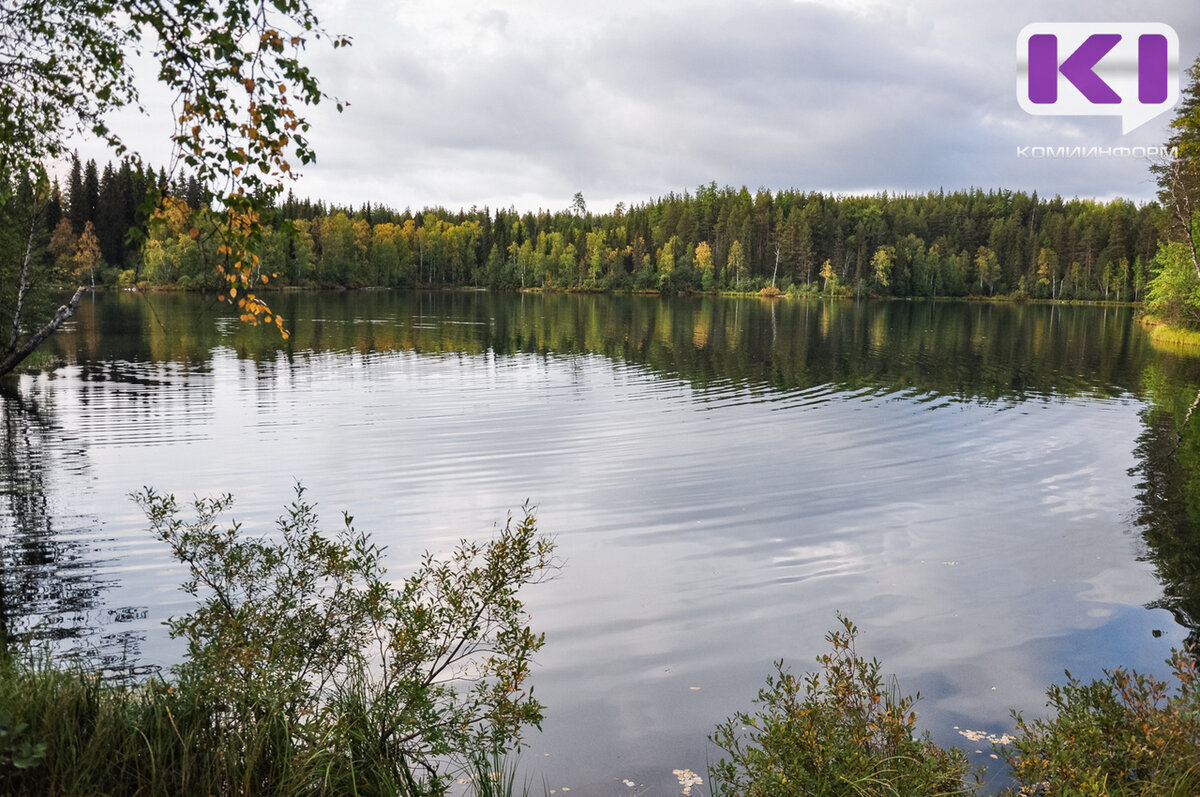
[{"x": 992, "y": 493}]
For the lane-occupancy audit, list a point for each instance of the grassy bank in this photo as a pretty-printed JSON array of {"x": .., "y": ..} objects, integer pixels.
[
  {"x": 67, "y": 732},
  {"x": 1172, "y": 338}
]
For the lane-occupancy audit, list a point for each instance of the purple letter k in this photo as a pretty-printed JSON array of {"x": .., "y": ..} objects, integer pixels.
[{"x": 1044, "y": 68}]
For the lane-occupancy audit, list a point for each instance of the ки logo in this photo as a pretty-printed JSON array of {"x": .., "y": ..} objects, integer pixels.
[{"x": 1126, "y": 69}]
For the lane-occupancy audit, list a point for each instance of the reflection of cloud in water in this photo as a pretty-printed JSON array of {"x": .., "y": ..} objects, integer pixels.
[
  {"x": 818, "y": 560},
  {"x": 52, "y": 582},
  {"x": 716, "y": 505},
  {"x": 1076, "y": 494}
]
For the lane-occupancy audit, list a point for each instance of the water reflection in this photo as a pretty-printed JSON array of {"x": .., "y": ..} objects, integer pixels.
[
  {"x": 1168, "y": 454},
  {"x": 979, "y": 352},
  {"x": 51, "y": 585},
  {"x": 153, "y": 355},
  {"x": 723, "y": 474}
]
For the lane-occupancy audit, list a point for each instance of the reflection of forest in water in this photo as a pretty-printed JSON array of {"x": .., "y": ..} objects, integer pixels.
[
  {"x": 51, "y": 586},
  {"x": 919, "y": 351},
  {"x": 1168, "y": 471},
  {"x": 972, "y": 351}
]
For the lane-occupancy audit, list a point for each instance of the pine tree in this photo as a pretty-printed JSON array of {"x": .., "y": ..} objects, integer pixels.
[
  {"x": 91, "y": 192},
  {"x": 75, "y": 197},
  {"x": 110, "y": 225}
]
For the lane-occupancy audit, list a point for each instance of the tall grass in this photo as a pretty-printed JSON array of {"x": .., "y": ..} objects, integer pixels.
[{"x": 69, "y": 732}]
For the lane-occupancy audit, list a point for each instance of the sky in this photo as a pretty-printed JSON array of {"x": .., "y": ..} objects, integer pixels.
[{"x": 460, "y": 103}]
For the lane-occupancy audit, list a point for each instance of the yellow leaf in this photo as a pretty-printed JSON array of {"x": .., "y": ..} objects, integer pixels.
[{"x": 233, "y": 292}]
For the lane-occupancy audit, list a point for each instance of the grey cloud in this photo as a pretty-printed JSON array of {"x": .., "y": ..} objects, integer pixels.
[{"x": 629, "y": 101}]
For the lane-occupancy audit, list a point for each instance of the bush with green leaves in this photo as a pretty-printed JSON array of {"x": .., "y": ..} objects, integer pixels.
[
  {"x": 307, "y": 671},
  {"x": 1173, "y": 296},
  {"x": 308, "y": 626},
  {"x": 1126, "y": 734},
  {"x": 845, "y": 730}
]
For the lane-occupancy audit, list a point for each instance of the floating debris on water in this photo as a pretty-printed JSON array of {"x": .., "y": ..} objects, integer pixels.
[
  {"x": 984, "y": 736},
  {"x": 694, "y": 688},
  {"x": 629, "y": 784},
  {"x": 687, "y": 779}
]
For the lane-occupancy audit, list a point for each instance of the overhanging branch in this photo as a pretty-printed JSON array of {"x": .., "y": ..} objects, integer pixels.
[{"x": 20, "y": 353}]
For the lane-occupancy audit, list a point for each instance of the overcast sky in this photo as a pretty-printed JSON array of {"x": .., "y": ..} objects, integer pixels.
[{"x": 462, "y": 103}]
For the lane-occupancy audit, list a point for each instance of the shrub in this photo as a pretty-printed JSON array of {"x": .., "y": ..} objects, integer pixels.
[
  {"x": 306, "y": 671},
  {"x": 839, "y": 731},
  {"x": 1125, "y": 734}
]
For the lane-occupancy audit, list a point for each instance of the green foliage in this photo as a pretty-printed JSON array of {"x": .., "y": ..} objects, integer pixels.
[
  {"x": 916, "y": 245},
  {"x": 235, "y": 73},
  {"x": 308, "y": 626},
  {"x": 22, "y": 233},
  {"x": 16, "y": 750},
  {"x": 1179, "y": 177},
  {"x": 65, "y": 69},
  {"x": 843, "y": 730},
  {"x": 234, "y": 68},
  {"x": 881, "y": 264},
  {"x": 1128, "y": 734},
  {"x": 1173, "y": 295},
  {"x": 496, "y": 776},
  {"x": 307, "y": 672}
]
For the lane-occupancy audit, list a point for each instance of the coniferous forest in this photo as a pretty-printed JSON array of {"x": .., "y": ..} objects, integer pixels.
[{"x": 944, "y": 243}]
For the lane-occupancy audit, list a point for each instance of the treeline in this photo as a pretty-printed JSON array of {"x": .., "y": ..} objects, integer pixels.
[
  {"x": 87, "y": 222},
  {"x": 945, "y": 244}
]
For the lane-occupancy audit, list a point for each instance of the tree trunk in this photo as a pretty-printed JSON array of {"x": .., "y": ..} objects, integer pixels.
[
  {"x": 15, "y": 356},
  {"x": 1182, "y": 205},
  {"x": 24, "y": 284}
]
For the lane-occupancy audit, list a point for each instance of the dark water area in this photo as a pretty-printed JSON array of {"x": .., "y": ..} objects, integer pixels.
[{"x": 992, "y": 493}]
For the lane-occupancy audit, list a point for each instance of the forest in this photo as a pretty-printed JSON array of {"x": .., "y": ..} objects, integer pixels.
[{"x": 960, "y": 243}]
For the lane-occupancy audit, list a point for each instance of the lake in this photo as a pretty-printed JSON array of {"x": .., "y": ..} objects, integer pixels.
[{"x": 992, "y": 493}]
